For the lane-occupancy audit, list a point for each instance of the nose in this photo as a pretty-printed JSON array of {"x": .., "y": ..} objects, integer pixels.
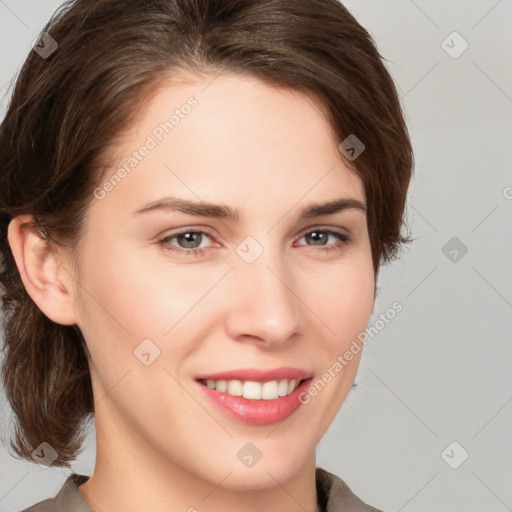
[{"x": 264, "y": 306}]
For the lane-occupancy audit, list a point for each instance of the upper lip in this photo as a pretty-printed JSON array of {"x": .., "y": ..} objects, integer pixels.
[{"x": 258, "y": 375}]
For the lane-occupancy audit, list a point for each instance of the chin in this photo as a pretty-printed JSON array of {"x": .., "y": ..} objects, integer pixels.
[
  {"x": 277, "y": 465},
  {"x": 258, "y": 478}
]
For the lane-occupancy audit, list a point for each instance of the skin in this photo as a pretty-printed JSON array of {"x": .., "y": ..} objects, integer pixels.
[{"x": 161, "y": 445}]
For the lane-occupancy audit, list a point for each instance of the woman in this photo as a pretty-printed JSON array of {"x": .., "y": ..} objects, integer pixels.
[{"x": 196, "y": 198}]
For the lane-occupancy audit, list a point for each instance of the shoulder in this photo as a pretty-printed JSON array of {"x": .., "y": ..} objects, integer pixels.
[
  {"x": 334, "y": 495},
  {"x": 68, "y": 499}
]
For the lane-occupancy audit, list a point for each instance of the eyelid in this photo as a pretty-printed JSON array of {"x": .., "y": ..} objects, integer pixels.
[
  {"x": 186, "y": 229},
  {"x": 321, "y": 227},
  {"x": 197, "y": 230}
]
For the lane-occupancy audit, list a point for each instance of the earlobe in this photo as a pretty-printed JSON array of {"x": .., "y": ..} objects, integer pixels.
[{"x": 39, "y": 264}]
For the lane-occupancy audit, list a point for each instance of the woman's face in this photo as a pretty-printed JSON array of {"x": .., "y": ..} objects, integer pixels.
[{"x": 267, "y": 290}]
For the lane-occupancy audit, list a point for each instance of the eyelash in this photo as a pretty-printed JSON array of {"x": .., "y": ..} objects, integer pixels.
[{"x": 342, "y": 237}]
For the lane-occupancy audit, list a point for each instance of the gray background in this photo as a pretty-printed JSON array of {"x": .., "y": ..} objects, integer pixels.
[{"x": 440, "y": 371}]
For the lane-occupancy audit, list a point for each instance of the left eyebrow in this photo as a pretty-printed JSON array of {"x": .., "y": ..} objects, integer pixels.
[
  {"x": 221, "y": 211},
  {"x": 338, "y": 205}
]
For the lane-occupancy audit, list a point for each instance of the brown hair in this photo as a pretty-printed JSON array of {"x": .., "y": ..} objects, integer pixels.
[{"x": 69, "y": 107}]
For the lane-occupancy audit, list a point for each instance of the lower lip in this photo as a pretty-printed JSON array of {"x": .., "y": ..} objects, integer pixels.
[{"x": 257, "y": 412}]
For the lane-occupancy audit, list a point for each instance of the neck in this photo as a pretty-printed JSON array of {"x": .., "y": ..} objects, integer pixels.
[{"x": 131, "y": 475}]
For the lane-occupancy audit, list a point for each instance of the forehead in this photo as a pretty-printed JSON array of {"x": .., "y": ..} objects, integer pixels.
[{"x": 231, "y": 139}]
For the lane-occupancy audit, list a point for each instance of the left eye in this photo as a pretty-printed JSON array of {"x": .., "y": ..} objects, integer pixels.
[
  {"x": 192, "y": 241},
  {"x": 321, "y": 235}
]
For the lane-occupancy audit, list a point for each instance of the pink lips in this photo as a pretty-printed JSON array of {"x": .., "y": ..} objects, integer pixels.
[
  {"x": 257, "y": 412},
  {"x": 257, "y": 375}
]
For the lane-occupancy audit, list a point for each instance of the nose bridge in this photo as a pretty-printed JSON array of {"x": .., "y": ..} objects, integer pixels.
[{"x": 265, "y": 306}]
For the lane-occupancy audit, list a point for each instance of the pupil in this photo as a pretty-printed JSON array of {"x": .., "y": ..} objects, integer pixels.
[
  {"x": 189, "y": 239},
  {"x": 319, "y": 235}
]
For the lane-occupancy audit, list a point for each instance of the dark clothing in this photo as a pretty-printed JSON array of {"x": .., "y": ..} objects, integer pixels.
[{"x": 333, "y": 496}]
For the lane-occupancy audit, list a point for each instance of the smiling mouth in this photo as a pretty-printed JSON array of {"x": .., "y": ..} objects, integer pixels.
[{"x": 252, "y": 390}]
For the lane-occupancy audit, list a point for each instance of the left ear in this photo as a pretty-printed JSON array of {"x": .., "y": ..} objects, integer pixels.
[{"x": 46, "y": 273}]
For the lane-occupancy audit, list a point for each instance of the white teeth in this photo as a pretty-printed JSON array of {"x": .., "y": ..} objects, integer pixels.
[
  {"x": 221, "y": 385},
  {"x": 282, "y": 388},
  {"x": 235, "y": 387},
  {"x": 269, "y": 390},
  {"x": 254, "y": 390}
]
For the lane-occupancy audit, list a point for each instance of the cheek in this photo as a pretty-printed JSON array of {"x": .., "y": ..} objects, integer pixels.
[
  {"x": 343, "y": 299},
  {"x": 135, "y": 296}
]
